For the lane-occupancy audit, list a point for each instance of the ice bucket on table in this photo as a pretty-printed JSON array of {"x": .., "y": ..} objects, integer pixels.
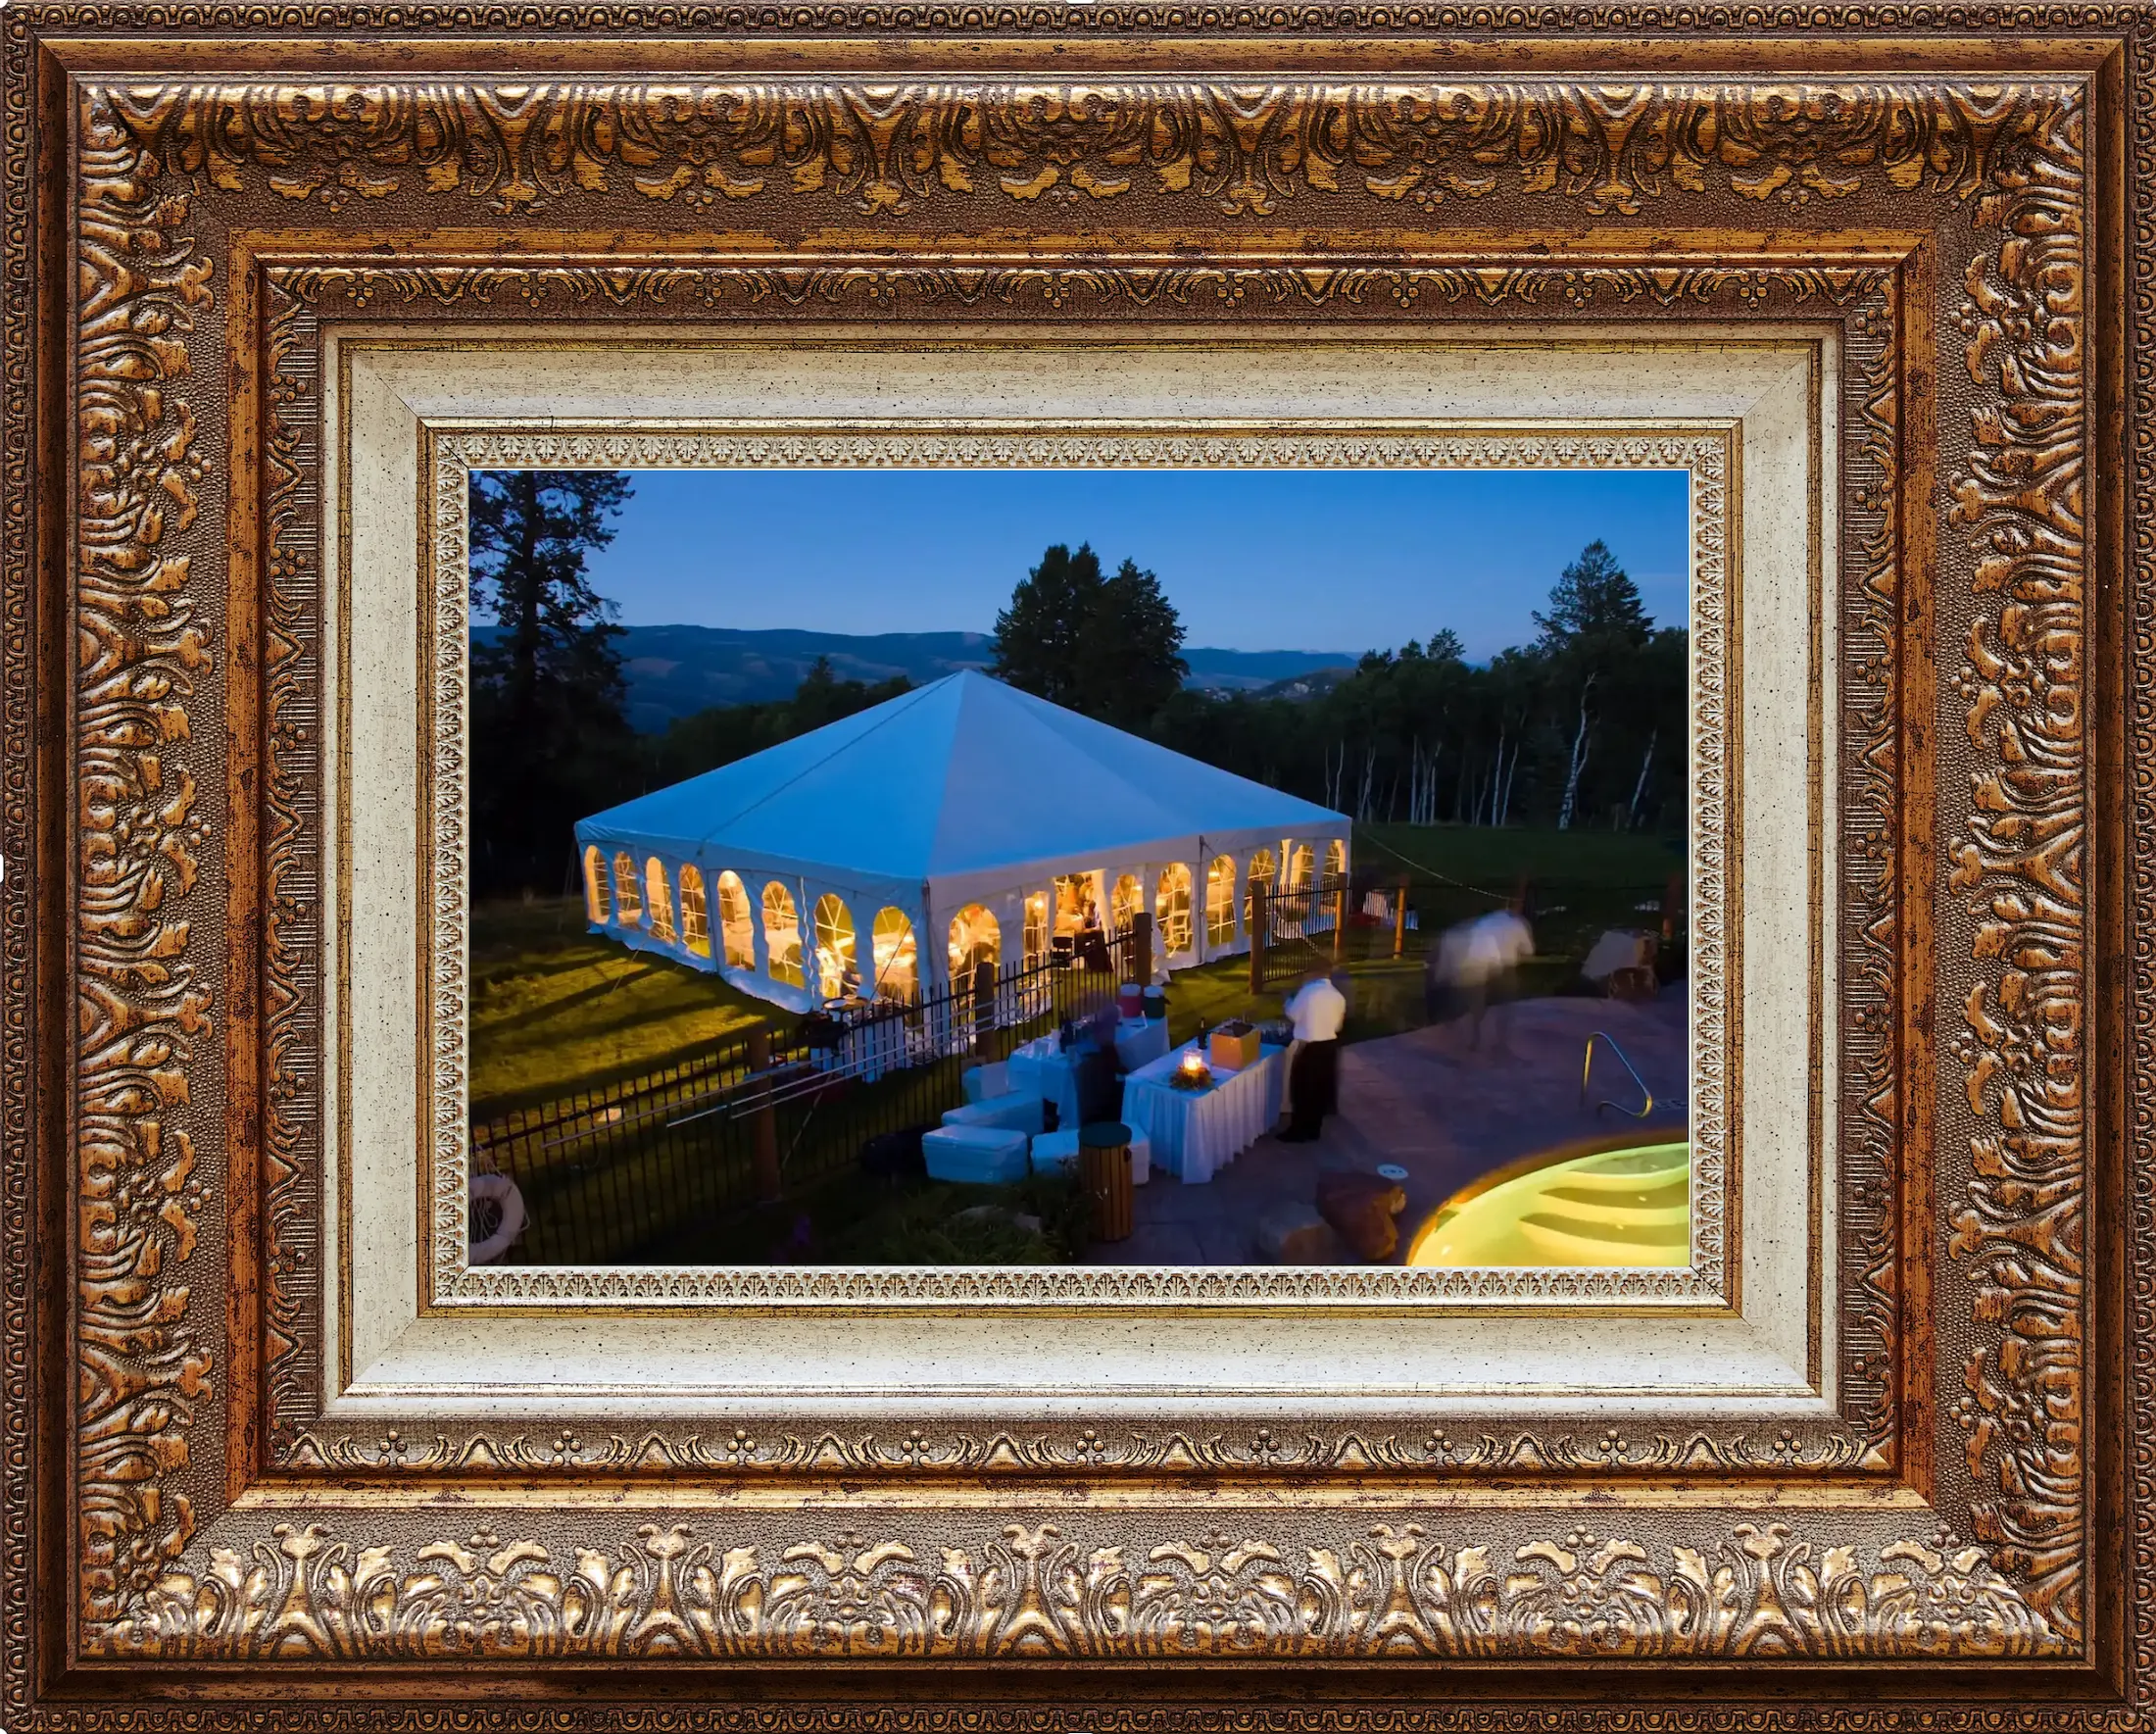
[{"x": 1233, "y": 1045}]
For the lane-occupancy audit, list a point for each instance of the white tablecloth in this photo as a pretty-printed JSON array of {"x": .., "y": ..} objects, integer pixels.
[
  {"x": 1042, "y": 1068},
  {"x": 1139, "y": 1040},
  {"x": 1197, "y": 1133}
]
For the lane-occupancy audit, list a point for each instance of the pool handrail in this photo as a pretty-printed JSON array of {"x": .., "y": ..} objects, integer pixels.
[{"x": 1587, "y": 1065}]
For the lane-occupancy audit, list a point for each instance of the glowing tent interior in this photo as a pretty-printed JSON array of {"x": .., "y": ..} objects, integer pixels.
[{"x": 960, "y": 822}]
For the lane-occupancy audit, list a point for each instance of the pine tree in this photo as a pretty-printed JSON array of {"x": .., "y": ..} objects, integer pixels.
[
  {"x": 1129, "y": 662},
  {"x": 549, "y": 739},
  {"x": 1594, "y": 598},
  {"x": 1040, "y": 638},
  {"x": 1595, "y": 625},
  {"x": 1106, "y": 646},
  {"x": 1444, "y": 646}
]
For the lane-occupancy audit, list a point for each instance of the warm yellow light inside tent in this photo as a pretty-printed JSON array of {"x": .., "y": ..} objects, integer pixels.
[
  {"x": 897, "y": 976},
  {"x": 1036, "y": 927},
  {"x": 1630, "y": 1207},
  {"x": 1128, "y": 899},
  {"x": 975, "y": 939},
  {"x": 834, "y": 946}
]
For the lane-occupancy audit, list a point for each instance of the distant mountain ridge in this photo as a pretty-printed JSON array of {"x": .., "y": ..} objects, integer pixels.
[{"x": 677, "y": 671}]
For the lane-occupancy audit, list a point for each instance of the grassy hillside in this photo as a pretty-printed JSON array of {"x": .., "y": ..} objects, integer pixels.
[
  {"x": 555, "y": 1010},
  {"x": 1494, "y": 856}
]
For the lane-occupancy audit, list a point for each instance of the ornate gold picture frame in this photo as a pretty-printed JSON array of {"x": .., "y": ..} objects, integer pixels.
[{"x": 218, "y": 1510}]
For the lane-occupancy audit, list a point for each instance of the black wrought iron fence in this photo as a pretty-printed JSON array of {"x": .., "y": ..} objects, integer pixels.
[
  {"x": 1369, "y": 916},
  {"x": 637, "y": 1170},
  {"x": 1294, "y": 928}
]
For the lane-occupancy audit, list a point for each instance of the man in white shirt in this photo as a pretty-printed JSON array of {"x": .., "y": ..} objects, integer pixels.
[{"x": 1318, "y": 1010}]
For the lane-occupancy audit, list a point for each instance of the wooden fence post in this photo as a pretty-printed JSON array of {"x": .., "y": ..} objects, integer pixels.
[
  {"x": 1261, "y": 918},
  {"x": 1400, "y": 920},
  {"x": 764, "y": 1121},
  {"x": 1141, "y": 948}
]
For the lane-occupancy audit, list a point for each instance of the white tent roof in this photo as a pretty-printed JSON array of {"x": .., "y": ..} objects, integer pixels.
[{"x": 958, "y": 789}]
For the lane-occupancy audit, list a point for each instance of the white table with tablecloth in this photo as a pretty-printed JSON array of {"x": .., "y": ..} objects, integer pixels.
[
  {"x": 1195, "y": 1133},
  {"x": 1043, "y": 1068}
]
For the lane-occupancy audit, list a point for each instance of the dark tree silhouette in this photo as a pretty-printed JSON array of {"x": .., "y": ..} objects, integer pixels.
[
  {"x": 1596, "y": 624},
  {"x": 1130, "y": 661},
  {"x": 1594, "y": 600},
  {"x": 1040, "y": 638},
  {"x": 549, "y": 741},
  {"x": 1108, "y": 647}
]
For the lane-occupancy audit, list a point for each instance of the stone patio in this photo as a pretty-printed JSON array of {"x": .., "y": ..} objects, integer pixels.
[{"x": 1442, "y": 1110}]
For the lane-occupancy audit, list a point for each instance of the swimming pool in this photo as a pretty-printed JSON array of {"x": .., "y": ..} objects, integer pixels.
[{"x": 1627, "y": 1206}]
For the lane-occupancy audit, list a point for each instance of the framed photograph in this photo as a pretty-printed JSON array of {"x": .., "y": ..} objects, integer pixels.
[{"x": 1077, "y": 865}]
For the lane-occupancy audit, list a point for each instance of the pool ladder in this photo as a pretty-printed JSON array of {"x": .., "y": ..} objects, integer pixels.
[{"x": 1587, "y": 1065}]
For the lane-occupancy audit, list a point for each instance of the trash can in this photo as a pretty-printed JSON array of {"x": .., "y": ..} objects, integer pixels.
[{"x": 1103, "y": 1169}]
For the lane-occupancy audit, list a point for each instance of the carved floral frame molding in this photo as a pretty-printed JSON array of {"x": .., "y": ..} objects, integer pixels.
[{"x": 141, "y": 946}]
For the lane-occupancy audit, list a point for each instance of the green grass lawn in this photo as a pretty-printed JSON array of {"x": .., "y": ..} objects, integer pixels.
[
  {"x": 1492, "y": 858},
  {"x": 1388, "y": 995},
  {"x": 556, "y": 1009}
]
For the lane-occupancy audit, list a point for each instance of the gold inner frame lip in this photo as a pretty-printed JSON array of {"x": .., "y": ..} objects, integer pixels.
[{"x": 1714, "y": 540}]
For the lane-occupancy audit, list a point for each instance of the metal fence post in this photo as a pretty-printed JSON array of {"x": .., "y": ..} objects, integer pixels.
[
  {"x": 1141, "y": 948},
  {"x": 1400, "y": 920},
  {"x": 1340, "y": 918},
  {"x": 1261, "y": 919},
  {"x": 764, "y": 1117}
]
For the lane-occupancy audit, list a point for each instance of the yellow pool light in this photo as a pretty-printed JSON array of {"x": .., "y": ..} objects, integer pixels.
[{"x": 1630, "y": 1206}]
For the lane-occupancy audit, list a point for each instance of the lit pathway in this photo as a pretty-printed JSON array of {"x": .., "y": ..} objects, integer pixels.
[{"x": 1443, "y": 1113}]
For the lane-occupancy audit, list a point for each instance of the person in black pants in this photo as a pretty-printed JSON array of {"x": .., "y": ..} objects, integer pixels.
[
  {"x": 1318, "y": 1010},
  {"x": 1099, "y": 1083}
]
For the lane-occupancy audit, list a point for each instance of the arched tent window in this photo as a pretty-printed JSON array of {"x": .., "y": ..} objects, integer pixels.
[
  {"x": 975, "y": 938},
  {"x": 736, "y": 928},
  {"x": 1171, "y": 909},
  {"x": 1036, "y": 929},
  {"x": 782, "y": 936},
  {"x": 898, "y": 969},
  {"x": 1301, "y": 904},
  {"x": 696, "y": 927},
  {"x": 1220, "y": 901},
  {"x": 626, "y": 898},
  {"x": 1336, "y": 859},
  {"x": 596, "y": 904},
  {"x": 1125, "y": 903},
  {"x": 660, "y": 895},
  {"x": 1258, "y": 883},
  {"x": 834, "y": 947},
  {"x": 1075, "y": 893}
]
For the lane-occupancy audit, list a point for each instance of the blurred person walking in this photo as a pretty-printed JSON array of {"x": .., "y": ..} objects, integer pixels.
[{"x": 1477, "y": 963}]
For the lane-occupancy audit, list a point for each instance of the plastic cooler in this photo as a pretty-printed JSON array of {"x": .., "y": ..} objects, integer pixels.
[
  {"x": 1013, "y": 1112},
  {"x": 976, "y": 1156}
]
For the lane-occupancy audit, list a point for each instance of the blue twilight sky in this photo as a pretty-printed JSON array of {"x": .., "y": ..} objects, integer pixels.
[{"x": 1324, "y": 559}]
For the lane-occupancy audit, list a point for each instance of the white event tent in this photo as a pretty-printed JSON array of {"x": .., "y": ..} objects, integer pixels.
[{"x": 975, "y": 817}]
